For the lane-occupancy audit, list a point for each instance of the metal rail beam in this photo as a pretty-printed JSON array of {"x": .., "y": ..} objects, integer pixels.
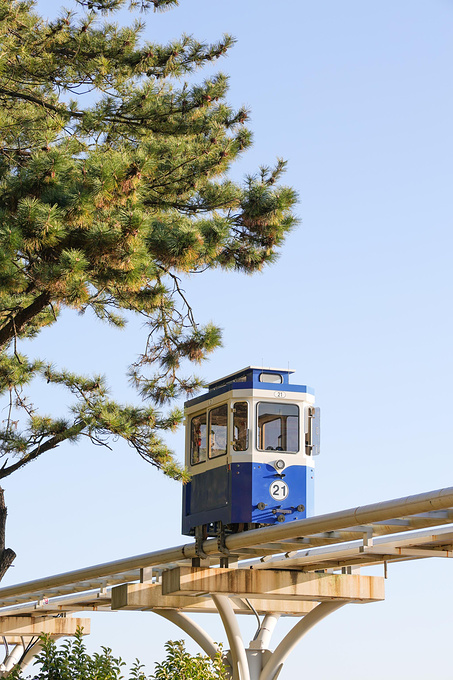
[{"x": 440, "y": 499}]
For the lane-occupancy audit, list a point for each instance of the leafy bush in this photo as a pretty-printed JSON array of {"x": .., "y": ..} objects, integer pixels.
[
  {"x": 70, "y": 661},
  {"x": 180, "y": 665}
]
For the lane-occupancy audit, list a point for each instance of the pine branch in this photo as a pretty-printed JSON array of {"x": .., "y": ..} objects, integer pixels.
[
  {"x": 15, "y": 94},
  {"x": 51, "y": 443},
  {"x": 19, "y": 320}
]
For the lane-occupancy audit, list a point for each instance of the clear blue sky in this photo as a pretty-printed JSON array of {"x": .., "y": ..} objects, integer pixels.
[{"x": 357, "y": 97}]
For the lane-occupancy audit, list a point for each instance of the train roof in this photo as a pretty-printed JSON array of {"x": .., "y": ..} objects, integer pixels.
[
  {"x": 238, "y": 374},
  {"x": 251, "y": 377}
]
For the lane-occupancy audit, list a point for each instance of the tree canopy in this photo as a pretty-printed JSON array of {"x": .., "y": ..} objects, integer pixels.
[{"x": 114, "y": 185}]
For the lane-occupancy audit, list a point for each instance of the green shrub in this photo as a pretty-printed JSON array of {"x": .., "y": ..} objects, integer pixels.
[
  {"x": 180, "y": 665},
  {"x": 70, "y": 661}
]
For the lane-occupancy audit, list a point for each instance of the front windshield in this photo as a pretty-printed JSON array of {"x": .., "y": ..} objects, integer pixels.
[
  {"x": 278, "y": 427},
  {"x": 218, "y": 431}
]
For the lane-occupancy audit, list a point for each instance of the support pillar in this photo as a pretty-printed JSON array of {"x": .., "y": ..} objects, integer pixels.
[
  {"x": 275, "y": 663},
  {"x": 12, "y": 658},
  {"x": 255, "y": 662},
  {"x": 237, "y": 649},
  {"x": 262, "y": 640},
  {"x": 258, "y": 652},
  {"x": 275, "y": 592},
  {"x": 34, "y": 651},
  {"x": 18, "y": 656},
  {"x": 258, "y": 662}
]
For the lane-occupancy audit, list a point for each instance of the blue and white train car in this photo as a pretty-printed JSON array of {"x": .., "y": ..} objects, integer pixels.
[{"x": 250, "y": 443}]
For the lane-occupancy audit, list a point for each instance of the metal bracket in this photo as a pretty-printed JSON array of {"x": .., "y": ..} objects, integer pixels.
[
  {"x": 221, "y": 541},
  {"x": 367, "y": 536},
  {"x": 199, "y": 549},
  {"x": 201, "y": 534}
]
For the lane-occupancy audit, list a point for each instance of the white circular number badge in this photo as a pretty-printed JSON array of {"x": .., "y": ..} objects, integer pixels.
[{"x": 278, "y": 490}]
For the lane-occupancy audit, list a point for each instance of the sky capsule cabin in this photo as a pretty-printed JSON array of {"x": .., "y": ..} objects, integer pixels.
[{"x": 250, "y": 443}]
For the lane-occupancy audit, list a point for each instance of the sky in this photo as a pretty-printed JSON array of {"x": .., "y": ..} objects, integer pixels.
[{"x": 357, "y": 97}]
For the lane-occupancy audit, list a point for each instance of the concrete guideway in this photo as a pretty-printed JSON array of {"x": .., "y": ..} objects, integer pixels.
[
  {"x": 273, "y": 584},
  {"x": 305, "y": 569}
]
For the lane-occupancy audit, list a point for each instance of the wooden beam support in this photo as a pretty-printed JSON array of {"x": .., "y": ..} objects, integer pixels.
[
  {"x": 148, "y": 596},
  {"x": 406, "y": 552},
  {"x": 36, "y": 625},
  {"x": 273, "y": 584}
]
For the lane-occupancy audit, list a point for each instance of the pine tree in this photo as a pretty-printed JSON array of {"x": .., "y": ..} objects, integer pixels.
[{"x": 113, "y": 186}]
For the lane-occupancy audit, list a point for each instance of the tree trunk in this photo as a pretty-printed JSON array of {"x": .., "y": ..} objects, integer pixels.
[{"x": 7, "y": 555}]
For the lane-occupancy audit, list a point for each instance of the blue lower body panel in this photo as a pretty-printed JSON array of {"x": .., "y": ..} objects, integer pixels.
[
  {"x": 247, "y": 493},
  {"x": 288, "y": 495}
]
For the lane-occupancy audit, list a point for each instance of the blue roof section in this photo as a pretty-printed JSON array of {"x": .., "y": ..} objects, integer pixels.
[
  {"x": 249, "y": 379},
  {"x": 249, "y": 373}
]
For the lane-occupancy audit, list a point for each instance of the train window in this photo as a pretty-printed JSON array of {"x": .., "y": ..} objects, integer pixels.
[
  {"x": 278, "y": 427},
  {"x": 240, "y": 426},
  {"x": 271, "y": 377},
  {"x": 198, "y": 439},
  {"x": 218, "y": 435}
]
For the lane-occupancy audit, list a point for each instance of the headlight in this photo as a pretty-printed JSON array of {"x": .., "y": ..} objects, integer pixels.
[{"x": 279, "y": 464}]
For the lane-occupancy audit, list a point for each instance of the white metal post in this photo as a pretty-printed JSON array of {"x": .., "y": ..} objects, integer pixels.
[
  {"x": 255, "y": 662},
  {"x": 33, "y": 652},
  {"x": 258, "y": 650},
  {"x": 11, "y": 659},
  {"x": 237, "y": 649},
  {"x": 267, "y": 627}
]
